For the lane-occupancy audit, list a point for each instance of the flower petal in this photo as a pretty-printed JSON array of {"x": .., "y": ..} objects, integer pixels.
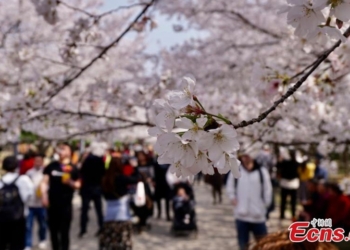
[
  {"x": 155, "y": 131},
  {"x": 215, "y": 153},
  {"x": 184, "y": 123},
  {"x": 178, "y": 100},
  {"x": 189, "y": 135},
  {"x": 221, "y": 162},
  {"x": 229, "y": 145},
  {"x": 190, "y": 83},
  {"x": 194, "y": 146},
  {"x": 342, "y": 12},
  {"x": 235, "y": 167},
  {"x": 228, "y": 131},
  {"x": 164, "y": 159},
  {"x": 201, "y": 121}
]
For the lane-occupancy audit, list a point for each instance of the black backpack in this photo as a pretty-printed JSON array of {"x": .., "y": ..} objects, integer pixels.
[
  {"x": 11, "y": 204},
  {"x": 271, "y": 206}
]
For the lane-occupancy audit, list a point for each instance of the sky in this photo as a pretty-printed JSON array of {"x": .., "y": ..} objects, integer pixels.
[{"x": 163, "y": 35}]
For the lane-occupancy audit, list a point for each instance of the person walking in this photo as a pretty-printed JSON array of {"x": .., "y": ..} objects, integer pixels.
[
  {"x": 320, "y": 171},
  {"x": 36, "y": 209},
  {"x": 91, "y": 173},
  {"x": 145, "y": 170},
  {"x": 306, "y": 173},
  {"x": 162, "y": 189},
  {"x": 289, "y": 183},
  {"x": 61, "y": 178},
  {"x": 265, "y": 158},
  {"x": 27, "y": 163},
  {"x": 216, "y": 182},
  {"x": 250, "y": 195},
  {"x": 117, "y": 228},
  {"x": 15, "y": 192}
]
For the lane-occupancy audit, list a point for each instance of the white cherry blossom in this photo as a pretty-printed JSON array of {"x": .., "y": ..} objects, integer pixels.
[
  {"x": 202, "y": 164},
  {"x": 324, "y": 34},
  {"x": 183, "y": 151},
  {"x": 226, "y": 163},
  {"x": 181, "y": 99},
  {"x": 303, "y": 16},
  {"x": 166, "y": 118},
  {"x": 195, "y": 130},
  {"x": 340, "y": 9},
  {"x": 219, "y": 141},
  {"x": 180, "y": 170}
]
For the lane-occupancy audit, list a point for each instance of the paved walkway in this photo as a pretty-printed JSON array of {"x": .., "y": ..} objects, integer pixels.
[{"x": 215, "y": 223}]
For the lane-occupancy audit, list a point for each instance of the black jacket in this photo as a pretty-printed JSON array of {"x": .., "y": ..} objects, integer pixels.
[{"x": 92, "y": 171}]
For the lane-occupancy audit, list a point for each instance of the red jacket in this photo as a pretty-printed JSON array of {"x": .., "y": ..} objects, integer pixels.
[
  {"x": 338, "y": 210},
  {"x": 128, "y": 170},
  {"x": 25, "y": 165}
]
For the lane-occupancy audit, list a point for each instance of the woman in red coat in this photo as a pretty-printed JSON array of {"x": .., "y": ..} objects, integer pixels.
[
  {"x": 339, "y": 207},
  {"x": 27, "y": 162}
]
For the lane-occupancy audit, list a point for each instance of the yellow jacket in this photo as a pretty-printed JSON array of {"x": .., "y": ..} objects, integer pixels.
[{"x": 308, "y": 172}]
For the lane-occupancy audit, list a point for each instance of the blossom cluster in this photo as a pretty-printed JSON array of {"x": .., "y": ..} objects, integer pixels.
[
  {"x": 268, "y": 81},
  {"x": 47, "y": 9},
  {"x": 191, "y": 139},
  {"x": 318, "y": 19}
]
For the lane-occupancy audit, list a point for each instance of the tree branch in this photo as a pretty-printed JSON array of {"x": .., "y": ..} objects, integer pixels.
[
  {"x": 246, "y": 21},
  {"x": 87, "y": 114},
  {"x": 120, "y": 8},
  {"x": 76, "y": 9},
  {"x": 100, "y": 55},
  {"x": 295, "y": 87},
  {"x": 96, "y": 131},
  {"x": 82, "y": 113},
  {"x": 4, "y": 36}
]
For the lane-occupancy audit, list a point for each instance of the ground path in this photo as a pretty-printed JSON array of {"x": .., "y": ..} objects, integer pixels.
[{"x": 215, "y": 223}]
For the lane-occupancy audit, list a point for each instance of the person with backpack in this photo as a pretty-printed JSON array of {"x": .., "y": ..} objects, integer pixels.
[
  {"x": 251, "y": 195},
  {"x": 15, "y": 192},
  {"x": 61, "y": 178}
]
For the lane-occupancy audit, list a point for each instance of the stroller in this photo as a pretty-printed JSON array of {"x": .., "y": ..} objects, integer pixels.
[{"x": 184, "y": 221}]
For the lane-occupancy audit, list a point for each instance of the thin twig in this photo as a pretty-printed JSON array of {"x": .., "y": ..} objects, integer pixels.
[
  {"x": 82, "y": 113},
  {"x": 8, "y": 31},
  {"x": 100, "y": 130},
  {"x": 58, "y": 62},
  {"x": 76, "y": 9},
  {"x": 121, "y": 8},
  {"x": 245, "y": 21},
  {"x": 100, "y": 55},
  {"x": 295, "y": 87},
  {"x": 87, "y": 114}
]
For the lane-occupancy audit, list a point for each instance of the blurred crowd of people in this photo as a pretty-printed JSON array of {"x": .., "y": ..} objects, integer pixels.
[
  {"x": 266, "y": 178},
  {"x": 126, "y": 185},
  {"x": 31, "y": 190}
]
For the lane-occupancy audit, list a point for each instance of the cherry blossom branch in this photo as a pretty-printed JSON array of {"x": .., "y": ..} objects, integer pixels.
[
  {"x": 295, "y": 87},
  {"x": 101, "y": 54},
  {"x": 97, "y": 131},
  {"x": 246, "y": 21},
  {"x": 58, "y": 62},
  {"x": 8, "y": 31},
  {"x": 97, "y": 17},
  {"x": 87, "y": 114},
  {"x": 76, "y": 9},
  {"x": 303, "y": 143},
  {"x": 120, "y": 8},
  {"x": 82, "y": 113},
  {"x": 71, "y": 136},
  {"x": 253, "y": 45}
]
